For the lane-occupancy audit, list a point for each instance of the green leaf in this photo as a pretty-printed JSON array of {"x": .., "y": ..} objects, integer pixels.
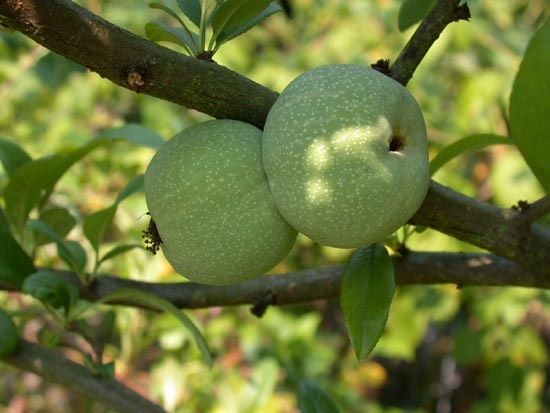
[
  {"x": 313, "y": 399},
  {"x": 190, "y": 36},
  {"x": 97, "y": 224},
  {"x": 368, "y": 285},
  {"x": 66, "y": 249},
  {"x": 51, "y": 290},
  {"x": 467, "y": 144},
  {"x": 27, "y": 184},
  {"x": 33, "y": 182},
  {"x": 160, "y": 32},
  {"x": 412, "y": 11},
  {"x": 133, "y": 133},
  {"x": 9, "y": 337},
  {"x": 137, "y": 184},
  {"x": 12, "y": 156},
  {"x": 167, "y": 10},
  {"x": 15, "y": 264},
  {"x": 4, "y": 224},
  {"x": 234, "y": 13},
  {"x": 232, "y": 32},
  {"x": 192, "y": 9},
  {"x": 76, "y": 258},
  {"x": 58, "y": 219},
  {"x": 150, "y": 300},
  {"x": 530, "y": 106},
  {"x": 119, "y": 249}
]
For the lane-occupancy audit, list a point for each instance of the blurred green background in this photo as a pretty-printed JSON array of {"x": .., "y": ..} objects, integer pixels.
[{"x": 445, "y": 349}]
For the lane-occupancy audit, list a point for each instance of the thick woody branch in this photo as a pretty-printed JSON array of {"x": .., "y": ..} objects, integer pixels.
[
  {"x": 52, "y": 366},
  {"x": 136, "y": 63},
  {"x": 502, "y": 231},
  {"x": 415, "y": 268},
  {"x": 114, "y": 53}
]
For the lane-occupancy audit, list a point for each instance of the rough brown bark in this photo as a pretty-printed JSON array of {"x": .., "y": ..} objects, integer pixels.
[
  {"x": 114, "y": 53},
  {"x": 136, "y": 63}
]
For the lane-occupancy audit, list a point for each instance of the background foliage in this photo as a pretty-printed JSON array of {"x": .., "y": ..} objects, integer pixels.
[{"x": 444, "y": 349}]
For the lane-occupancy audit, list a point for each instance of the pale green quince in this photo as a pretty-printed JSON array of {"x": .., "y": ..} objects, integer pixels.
[
  {"x": 346, "y": 155},
  {"x": 208, "y": 195}
]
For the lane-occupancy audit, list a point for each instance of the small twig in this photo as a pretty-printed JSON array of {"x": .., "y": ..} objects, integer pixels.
[
  {"x": 54, "y": 367},
  {"x": 528, "y": 213},
  {"x": 443, "y": 13}
]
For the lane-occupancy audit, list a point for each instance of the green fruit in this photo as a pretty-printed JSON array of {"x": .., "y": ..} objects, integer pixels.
[
  {"x": 346, "y": 155},
  {"x": 208, "y": 195}
]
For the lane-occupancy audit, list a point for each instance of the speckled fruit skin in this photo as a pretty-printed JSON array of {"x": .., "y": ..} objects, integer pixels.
[
  {"x": 327, "y": 155},
  {"x": 208, "y": 194}
]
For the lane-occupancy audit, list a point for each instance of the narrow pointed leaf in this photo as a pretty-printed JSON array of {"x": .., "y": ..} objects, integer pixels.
[
  {"x": 4, "y": 224},
  {"x": 530, "y": 106},
  {"x": 133, "y": 133},
  {"x": 97, "y": 224},
  {"x": 26, "y": 186},
  {"x": 120, "y": 249},
  {"x": 160, "y": 32},
  {"x": 48, "y": 287},
  {"x": 76, "y": 258},
  {"x": 368, "y": 285},
  {"x": 33, "y": 182},
  {"x": 235, "y": 13},
  {"x": 313, "y": 399},
  {"x": 150, "y": 300},
  {"x": 15, "y": 264},
  {"x": 134, "y": 186},
  {"x": 167, "y": 10},
  {"x": 192, "y": 9},
  {"x": 8, "y": 336},
  {"x": 412, "y": 11},
  {"x": 189, "y": 33},
  {"x": 66, "y": 252},
  {"x": 12, "y": 156},
  {"x": 232, "y": 32},
  {"x": 467, "y": 144},
  {"x": 57, "y": 218}
]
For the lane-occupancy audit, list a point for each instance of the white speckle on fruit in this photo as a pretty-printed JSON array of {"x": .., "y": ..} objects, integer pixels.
[
  {"x": 325, "y": 153},
  {"x": 317, "y": 191},
  {"x": 318, "y": 155},
  {"x": 209, "y": 197}
]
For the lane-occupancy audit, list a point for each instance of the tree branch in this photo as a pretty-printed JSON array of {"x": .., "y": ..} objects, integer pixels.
[
  {"x": 54, "y": 367},
  {"x": 442, "y": 13},
  {"x": 420, "y": 268},
  {"x": 530, "y": 213},
  {"x": 136, "y": 63},
  {"x": 114, "y": 53},
  {"x": 495, "y": 229}
]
